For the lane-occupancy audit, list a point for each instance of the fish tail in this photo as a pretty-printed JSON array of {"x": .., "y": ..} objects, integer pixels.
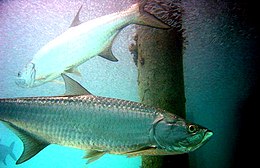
[
  {"x": 11, "y": 148},
  {"x": 145, "y": 18}
]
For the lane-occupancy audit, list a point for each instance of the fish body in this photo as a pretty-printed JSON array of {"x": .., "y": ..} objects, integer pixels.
[
  {"x": 5, "y": 151},
  {"x": 98, "y": 125},
  {"x": 79, "y": 43},
  {"x": 83, "y": 121}
]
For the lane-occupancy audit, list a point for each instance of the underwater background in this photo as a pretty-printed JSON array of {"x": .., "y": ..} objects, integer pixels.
[{"x": 220, "y": 73}]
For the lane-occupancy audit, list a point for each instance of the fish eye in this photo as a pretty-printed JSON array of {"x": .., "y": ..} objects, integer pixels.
[
  {"x": 19, "y": 74},
  {"x": 192, "y": 128}
]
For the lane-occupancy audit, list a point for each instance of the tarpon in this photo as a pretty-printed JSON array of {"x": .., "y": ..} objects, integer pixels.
[
  {"x": 98, "y": 125},
  {"x": 81, "y": 42},
  {"x": 5, "y": 151}
]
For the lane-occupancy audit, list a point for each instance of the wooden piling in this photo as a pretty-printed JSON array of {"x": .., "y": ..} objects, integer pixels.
[{"x": 160, "y": 81}]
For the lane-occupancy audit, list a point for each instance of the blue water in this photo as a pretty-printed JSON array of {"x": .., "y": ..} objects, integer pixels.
[
  {"x": 25, "y": 27},
  {"x": 219, "y": 71}
]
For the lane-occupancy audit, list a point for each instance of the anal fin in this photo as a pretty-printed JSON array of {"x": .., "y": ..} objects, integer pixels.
[
  {"x": 151, "y": 151},
  {"x": 73, "y": 71},
  {"x": 107, "y": 52}
]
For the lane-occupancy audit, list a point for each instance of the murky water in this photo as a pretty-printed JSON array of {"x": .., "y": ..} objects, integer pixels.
[{"x": 219, "y": 69}]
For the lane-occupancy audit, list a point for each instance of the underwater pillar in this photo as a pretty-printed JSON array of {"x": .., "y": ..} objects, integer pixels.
[{"x": 161, "y": 81}]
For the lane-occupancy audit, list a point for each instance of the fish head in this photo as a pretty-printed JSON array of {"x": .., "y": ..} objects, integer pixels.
[
  {"x": 176, "y": 136},
  {"x": 26, "y": 77},
  {"x": 32, "y": 75}
]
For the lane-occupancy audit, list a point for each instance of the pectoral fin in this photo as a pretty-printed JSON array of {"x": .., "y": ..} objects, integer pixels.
[
  {"x": 57, "y": 82},
  {"x": 93, "y": 155},
  {"x": 145, "y": 151},
  {"x": 32, "y": 145},
  {"x": 151, "y": 151}
]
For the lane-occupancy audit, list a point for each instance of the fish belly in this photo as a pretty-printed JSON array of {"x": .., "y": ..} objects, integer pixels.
[{"x": 77, "y": 45}]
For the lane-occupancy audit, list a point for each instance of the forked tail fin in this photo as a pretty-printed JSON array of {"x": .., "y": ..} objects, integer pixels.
[
  {"x": 149, "y": 20},
  {"x": 144, "y": 18}
]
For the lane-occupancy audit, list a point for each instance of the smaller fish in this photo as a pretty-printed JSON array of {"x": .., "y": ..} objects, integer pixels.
[
  {"x": 81, "y": 42},
  {"x": 5, "y": 151}
]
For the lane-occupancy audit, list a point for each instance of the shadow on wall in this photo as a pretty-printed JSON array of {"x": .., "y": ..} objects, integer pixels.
[
  {"x": 222, "y": 78},
  {"x": 248, "y": 124},
  {"x": 248, "y": 111}
]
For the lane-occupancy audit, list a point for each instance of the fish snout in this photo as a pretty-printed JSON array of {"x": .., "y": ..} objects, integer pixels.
[
  {"x": 21, "y": 82},
  {"x": 26, "y": 77},
  {"x": 208, "y": 134}
]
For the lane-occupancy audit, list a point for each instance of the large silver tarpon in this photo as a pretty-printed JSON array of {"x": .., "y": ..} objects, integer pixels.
[{"x": 98, "y": 125}]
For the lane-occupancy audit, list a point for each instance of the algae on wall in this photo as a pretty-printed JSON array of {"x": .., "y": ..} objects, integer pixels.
[
  {"x": 160, "y": 80},
  {"x": 160, "y": 69}
]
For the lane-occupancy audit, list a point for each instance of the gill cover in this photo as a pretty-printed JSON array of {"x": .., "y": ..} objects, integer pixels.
[
  {"x": 175, "y": 135},
  {"x": 168, "y": 132}
]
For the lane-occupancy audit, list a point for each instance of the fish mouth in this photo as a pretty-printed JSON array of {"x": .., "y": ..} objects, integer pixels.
[
  {"x": 26, "y": 78},
  {"x": 206, "y": 137}
]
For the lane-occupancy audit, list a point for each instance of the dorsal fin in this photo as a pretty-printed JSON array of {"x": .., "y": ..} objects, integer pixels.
[
  {"x": 76, "y": 20},
  {"x": 74, "y": 88}
]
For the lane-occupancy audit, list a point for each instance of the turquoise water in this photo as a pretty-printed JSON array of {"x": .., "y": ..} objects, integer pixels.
[
  {"x": 219, "y": 69},
  {"x": 25, "y": 27}
]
